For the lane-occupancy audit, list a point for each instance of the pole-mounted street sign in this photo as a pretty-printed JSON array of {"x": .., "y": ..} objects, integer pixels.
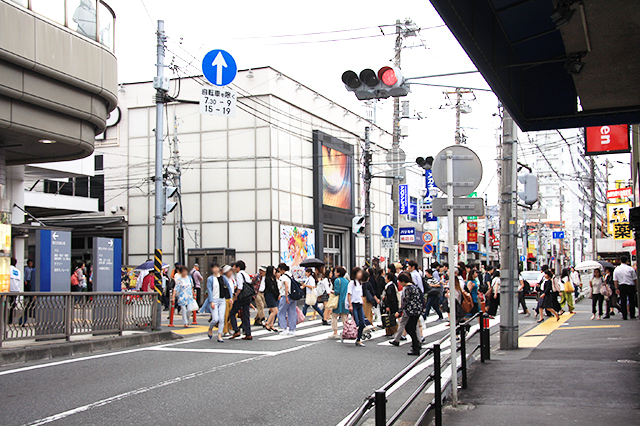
[
  {"x": 461, "y": 207},
  {"x": 467, "y": 171},
  {"x": 219, "y": 67},
  {"x": 387, "y": 231}
]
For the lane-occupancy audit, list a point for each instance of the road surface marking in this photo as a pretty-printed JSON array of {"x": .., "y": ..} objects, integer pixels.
[
  {"x": 68, "y": 361},
  {"x": 192, "y": 329},
  {"x": 589, "y": 326},
  {"x": 213, "y": 351},
  {"x": 159, "y": 385},
  {"x": 534, "y": 337}
]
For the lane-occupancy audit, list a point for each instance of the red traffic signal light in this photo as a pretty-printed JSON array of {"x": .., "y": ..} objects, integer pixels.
[{"x": 388, "y": 76}]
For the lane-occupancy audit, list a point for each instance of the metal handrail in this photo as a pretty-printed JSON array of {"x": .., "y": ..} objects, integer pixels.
[
  {"x": 378, "y": 398},
  {"x": 53, "y": 315}
]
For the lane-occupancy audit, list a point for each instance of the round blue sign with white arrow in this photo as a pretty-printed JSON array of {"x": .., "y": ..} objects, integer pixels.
[
  {"x": 219, "y": 67},
  {"x": 387, "y": 231}
]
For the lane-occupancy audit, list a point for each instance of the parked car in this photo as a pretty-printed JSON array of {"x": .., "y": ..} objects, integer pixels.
[{"x": 532, "y": 278}]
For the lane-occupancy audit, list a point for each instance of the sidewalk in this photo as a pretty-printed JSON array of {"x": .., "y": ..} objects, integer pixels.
[{"x": 571, "y": 372}]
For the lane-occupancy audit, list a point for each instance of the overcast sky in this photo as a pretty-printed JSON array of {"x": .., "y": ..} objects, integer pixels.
[{"x": 252, "y": 32}]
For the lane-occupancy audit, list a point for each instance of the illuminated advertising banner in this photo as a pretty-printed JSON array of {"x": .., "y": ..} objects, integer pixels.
[
  {"x": 607, "y": 139},
  {"x": 336, "y": 178},
  {"x": 617, "y": 213}
]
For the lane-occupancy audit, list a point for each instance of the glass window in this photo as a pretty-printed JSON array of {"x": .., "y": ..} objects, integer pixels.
[
  {"x": 81, "y": 17},
  {"x": 24, "y": 3},
  {"x": 98, "y": 162},
  {"x": 52, "y": 9},
  {"x": 105, "y": 30}
]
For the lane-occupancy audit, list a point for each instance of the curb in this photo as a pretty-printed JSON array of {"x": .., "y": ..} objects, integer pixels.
[{"x": 56, "y": 350}]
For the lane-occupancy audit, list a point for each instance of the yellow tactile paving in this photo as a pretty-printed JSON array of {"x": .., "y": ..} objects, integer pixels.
[
  {"x": 548, "y": 326},
  {"x": 192, "y": 329},
  {"x": 589, "y": 326},
  {"x": 530, "y": 341}
]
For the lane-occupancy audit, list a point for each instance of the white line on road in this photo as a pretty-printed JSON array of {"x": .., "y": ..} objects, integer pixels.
[
  {"x": 145, "y": 389},
  {"x": 211, "y": 351}
]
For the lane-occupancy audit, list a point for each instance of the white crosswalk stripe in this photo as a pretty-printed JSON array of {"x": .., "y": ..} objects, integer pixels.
[{"x": 299, "y": 332}]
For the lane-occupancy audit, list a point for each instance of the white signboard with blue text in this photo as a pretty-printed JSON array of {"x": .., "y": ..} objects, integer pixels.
[
  {"x": 53, "y": 260},
  {"x": 403, "y": 195},
  {"x": 407, "y": 235},
  {"x": 107, "y": 263}
]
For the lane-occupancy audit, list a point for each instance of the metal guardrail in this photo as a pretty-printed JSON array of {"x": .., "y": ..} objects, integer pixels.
[
  {"x": 378, "y": 400},
  {"x": 40, "y": 315}
]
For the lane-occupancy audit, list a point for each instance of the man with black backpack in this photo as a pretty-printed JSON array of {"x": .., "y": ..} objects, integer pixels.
[
  {"x": 242, "y": 300},
  {"x": 432, "y": 293}
]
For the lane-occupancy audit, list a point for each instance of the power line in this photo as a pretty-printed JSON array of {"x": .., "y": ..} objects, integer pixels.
[{"x": 315, "y": 33}]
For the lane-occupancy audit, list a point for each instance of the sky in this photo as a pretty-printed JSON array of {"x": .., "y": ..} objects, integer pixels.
[{"x": 354, "y": 36}]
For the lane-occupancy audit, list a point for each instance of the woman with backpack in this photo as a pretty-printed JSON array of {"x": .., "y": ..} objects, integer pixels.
[
  {"x": 217, "y": 296},
  {"x": 287, "y": 314},
  {"x": 340, "y": 287},
  {"x": 472, "y": 288},
  {"x": 355, "y": 299},
  {"x": 494, "y": 298}
]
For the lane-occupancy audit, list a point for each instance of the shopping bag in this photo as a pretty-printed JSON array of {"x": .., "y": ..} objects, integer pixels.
[
  {"x": 333, "y": 302},
  {"x": 310, "y": 299},
  {"x": 192, "y": 306},
  {"x": 389, "y": 320},
  {"x": 300, "y": 316}
]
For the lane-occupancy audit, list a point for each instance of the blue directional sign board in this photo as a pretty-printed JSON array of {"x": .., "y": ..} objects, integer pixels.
[
  {"x": 522, "y": 258},
  {"x": 387, "y": 231},
  {"x": 558, "y": 235},
  {"x": 472, "y": 246},
  {"x": 107, "y": 263},
  {"x": 219, "y": 67},
  {"x": 53, "y": 253},
  {"x": 403, "y": 195}
]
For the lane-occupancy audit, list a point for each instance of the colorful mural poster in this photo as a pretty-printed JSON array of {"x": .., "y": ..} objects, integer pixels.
[
  {"x": 336, "y": 178},
  {"x": 296, "y": 245}
]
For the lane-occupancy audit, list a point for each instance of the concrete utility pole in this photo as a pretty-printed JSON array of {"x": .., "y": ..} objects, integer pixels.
[
  {"x": 593, "y": 209},
  {"x": 395, "y": 149},
  {"x": 367, "y": 195},
  {"x": 177, "y": 178},
  {"x": 508, "y": 231},
  {"x": 487, "y": 244},
  {"x": 560, "y": 259},
  {"x": 161, "y": 90}
]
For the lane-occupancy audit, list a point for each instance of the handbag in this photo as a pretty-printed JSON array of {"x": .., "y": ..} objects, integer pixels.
[
  {"x": 310, "y": 299},
  {"x": 568, "y": 287},
  {"x": 605, "y": 290},
  {"x": 247, "y": 290},
  {"x": 300, "y": 316},
  {"x": 192, "y": 306},
  {"x": 334, "y": 299},
  {"x": 389, "y": 320}
]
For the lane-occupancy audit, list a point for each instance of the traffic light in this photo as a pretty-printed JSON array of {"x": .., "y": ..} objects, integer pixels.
[
  {"x": 425, "y": 163},
  {"x": 387, "y": 82},
  {"x": 357, "y": 225},
  {"x": 529, "y": 194},
  {"x": 169, "y": 193}
]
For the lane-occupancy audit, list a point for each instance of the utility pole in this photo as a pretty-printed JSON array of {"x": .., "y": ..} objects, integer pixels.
[
  {"x": 594, "y": 254},
  {"x": 487, "y": 244},
  {"x": 178, "y": 182},
  {"x": 560, "y": 260},
  {"x": 395, "y": 149},
  {"x": 367, "y": 195},
  {"x": 161, "y": 87},
  {"x": 508, "y": 231},
  {"x": 453, "y": 260}
]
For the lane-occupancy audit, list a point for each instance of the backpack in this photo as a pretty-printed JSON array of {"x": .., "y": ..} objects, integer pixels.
[
  {"x": 527, "y": 287},
  {"x": 295, "y": 291},
  {"x": 74, "y": 279},
  {"x": 467, "y": 302},
  {"x": 484, "y": 285}
]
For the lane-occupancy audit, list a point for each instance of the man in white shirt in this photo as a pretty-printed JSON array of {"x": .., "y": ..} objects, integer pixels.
[
  {"x": 15, "y": 286},
  {"x": 415, "y": 275},
  {"x": 258, "y": 283},
  {"x": 625, "y": 280}
]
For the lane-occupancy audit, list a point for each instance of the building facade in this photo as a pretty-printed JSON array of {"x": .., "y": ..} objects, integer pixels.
[{"x": 280, "y": 181}]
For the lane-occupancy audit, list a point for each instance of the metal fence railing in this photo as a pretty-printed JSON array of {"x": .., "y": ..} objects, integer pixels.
[
  {"x": 378, "y": 399},
  {"x": 37, "y": 315}
]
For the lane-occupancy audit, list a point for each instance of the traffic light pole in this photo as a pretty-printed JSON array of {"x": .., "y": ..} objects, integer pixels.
[
  {"x": 159, "y": 196},
  {"x": 367, "y": 195},
  {"x": 395, "y": 149},
  {"x": 508, "y": 228}
]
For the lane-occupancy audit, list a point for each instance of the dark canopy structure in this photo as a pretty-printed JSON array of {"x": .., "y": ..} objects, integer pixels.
[{"x": 554, "y": 64}]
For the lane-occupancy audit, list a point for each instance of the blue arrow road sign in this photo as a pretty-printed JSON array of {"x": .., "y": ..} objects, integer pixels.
[
  {"x": 558, "y": 235},
  {"x": 522, "y": 258},
  {"x": 387, "y": 231},
  {"x": 219, "y": 67}
]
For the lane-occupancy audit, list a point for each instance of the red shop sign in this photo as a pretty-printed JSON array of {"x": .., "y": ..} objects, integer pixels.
[{"x": 607, "y": 139}]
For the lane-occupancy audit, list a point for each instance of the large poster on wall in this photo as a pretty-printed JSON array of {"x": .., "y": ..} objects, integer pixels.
[
  {"x": 296, "y": 245},
  {"x": 336, "y": 178}
]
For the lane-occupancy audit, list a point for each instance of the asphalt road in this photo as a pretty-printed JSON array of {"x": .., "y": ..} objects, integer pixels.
[{"x": 306, "y": 379}]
